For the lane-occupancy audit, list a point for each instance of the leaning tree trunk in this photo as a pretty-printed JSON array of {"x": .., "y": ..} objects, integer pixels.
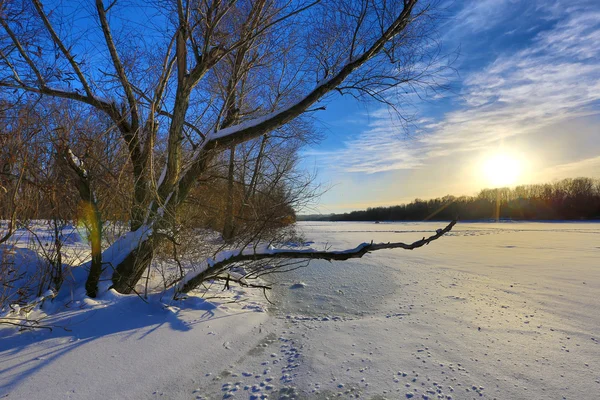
[
  {"x": 129, "y": 271},
  {"x": 178, "y": 180}
]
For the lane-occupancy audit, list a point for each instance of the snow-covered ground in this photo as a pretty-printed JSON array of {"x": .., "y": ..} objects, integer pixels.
[{"x": 504, "y": 311}]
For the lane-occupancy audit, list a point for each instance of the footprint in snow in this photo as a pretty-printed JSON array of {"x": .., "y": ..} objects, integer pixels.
[{"x": 299, "y": 285}]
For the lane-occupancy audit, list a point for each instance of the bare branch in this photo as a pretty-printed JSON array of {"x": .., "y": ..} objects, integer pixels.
[
  {"x": 24, "y": 326},
  {"x": 63, "y": 49},
  {"x": 118, "y": 65},
  {"x": 310, "y": 254},
  {"x": 248, "y": 130},
  {"x": 22, "y": 51}
]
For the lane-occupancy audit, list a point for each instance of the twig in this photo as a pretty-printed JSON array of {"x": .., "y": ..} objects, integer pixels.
[{"x": 24, "y": 326}]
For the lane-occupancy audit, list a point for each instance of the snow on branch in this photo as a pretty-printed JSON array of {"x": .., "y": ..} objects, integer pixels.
[
  {"x": 227, "y": 258},
  {"x": 19, "y": 315},
  {"x": 254, "y": 128},
  {"x": 258, "y": 126}
]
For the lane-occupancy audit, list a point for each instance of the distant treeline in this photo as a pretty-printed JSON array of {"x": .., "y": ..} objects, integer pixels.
[{"x": 571, "y": 199}]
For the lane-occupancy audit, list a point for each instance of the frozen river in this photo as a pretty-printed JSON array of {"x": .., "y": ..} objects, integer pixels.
[
  {"x": 494, "y": 310},
  {"x": 558, "y": 251}
]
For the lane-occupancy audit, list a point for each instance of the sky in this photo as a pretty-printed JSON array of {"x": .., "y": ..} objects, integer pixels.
[{"x": 523, "y": 106}]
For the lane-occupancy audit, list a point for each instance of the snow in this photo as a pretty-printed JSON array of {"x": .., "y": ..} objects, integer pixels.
[
  {"x": 125, "y": 245},
  {"x": 257, "y": 250},
  {"x": 78, "y": 163},
  {"x": 75, "y": 159},
  {"x": 163, "y": 174},
  {"x": 119, "y": 346},
  {"x": 221, "y": 133},
  {"x": 123, "y": 348},
  {"x": 505, "y": 311},
  {"x": 21, "y": 258},
  {"x": 219, "y": 257}
]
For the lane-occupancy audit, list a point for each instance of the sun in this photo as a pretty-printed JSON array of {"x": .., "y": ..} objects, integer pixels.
[{"x": 502, "y": 170}]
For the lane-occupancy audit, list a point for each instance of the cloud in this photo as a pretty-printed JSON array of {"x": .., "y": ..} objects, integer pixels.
[
  {"x": 379, "y": 148},
  {"x": 584, "y": 167},
  {"x": 554, "y": 78},
  {"x": 482, "y": 15}
]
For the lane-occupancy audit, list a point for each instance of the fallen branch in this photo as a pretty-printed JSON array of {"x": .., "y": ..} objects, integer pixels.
[
  {"x": 24, "y": 323},
  {"x": 25, "y": 326},
  {"x": 310, "y": 254},
  {"x": 26, "y": 309},
  {"x": 240, "y": 282}
]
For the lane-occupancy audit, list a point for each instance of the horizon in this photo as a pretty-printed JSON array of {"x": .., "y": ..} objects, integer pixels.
[
  {"x": 523, "y": 108},
  {"x": 456, "y": 196}
]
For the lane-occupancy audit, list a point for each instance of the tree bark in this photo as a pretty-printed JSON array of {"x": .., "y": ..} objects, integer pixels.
[
  {"x": 129, "y": 271},
  {"x": 91, "y": 284},
  {"x": 92, "y": 216},
  {"x": 178, "y": 181},
  {"x": 252, "y": 189},
  {"x": 12, "y": 223}
]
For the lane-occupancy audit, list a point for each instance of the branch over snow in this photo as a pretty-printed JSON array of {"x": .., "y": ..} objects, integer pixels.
[{"x": 192, "y": 282}]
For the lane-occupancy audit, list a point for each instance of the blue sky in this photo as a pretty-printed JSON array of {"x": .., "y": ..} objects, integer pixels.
[{"x": 527, "y": 87}]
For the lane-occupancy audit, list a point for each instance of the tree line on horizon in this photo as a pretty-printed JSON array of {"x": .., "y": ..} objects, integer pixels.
[{"x": 568, "y": 199}]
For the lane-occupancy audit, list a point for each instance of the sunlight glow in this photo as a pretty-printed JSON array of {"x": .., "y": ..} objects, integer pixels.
[{"x": 502, "y": 170}]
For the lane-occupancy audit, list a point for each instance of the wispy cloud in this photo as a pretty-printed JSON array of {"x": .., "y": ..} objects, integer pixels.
[
  {"x": 482, "y": 15},
  {"x": 578, "y": 168},
  {"x": 379, "y": 148},
  {"x": 555, "y": 77}
]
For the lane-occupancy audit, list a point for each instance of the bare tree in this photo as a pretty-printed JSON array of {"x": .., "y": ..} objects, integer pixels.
[{"x": 168, "y": 113}]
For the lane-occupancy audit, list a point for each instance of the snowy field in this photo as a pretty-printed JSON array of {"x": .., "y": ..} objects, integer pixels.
[{"x": 492, "y": 311}]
